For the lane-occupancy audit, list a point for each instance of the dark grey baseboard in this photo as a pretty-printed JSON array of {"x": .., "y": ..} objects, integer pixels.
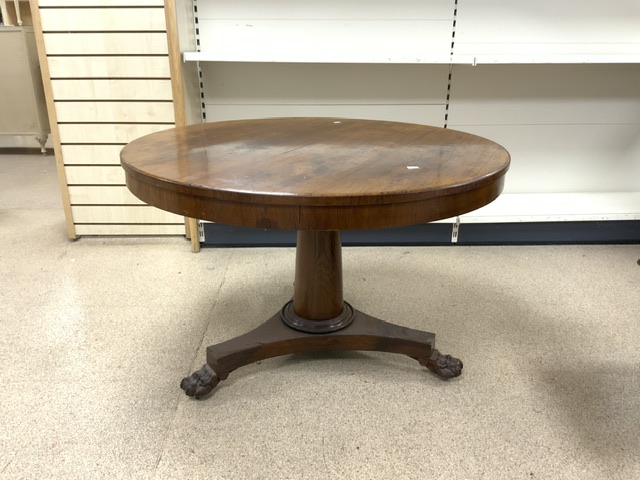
[{"x": 433, "y": 234}]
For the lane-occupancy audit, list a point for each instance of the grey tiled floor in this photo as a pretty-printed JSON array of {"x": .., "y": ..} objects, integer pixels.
[{"x": 97, "y": 333}]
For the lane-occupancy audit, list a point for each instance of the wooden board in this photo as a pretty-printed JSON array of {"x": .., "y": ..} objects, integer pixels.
[
  {"x": 95, "y": 175},
  {"x": 106, "y": 133},
  {"x": 103, "y": 19},
  {"x": 139, "y": 112},
  {"x": 124, "y": 214},
  {"x": 114, "y": 67},
  {"x": 112, "y": 89},
  {"x": 99, "y": 3},
  {"x": 129, "y": 229},
  {"x": 91, "y": 195},
  {"x": 98, "y": 43},
  {"x": 91, "y": 154}
]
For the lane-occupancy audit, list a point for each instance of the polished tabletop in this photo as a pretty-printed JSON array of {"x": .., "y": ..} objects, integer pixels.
[{"x": 315, "y": 173}]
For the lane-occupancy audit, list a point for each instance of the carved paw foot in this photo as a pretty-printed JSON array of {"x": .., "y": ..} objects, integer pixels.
[
  {"x": 200, "y": 383},
  {"x": 444, "y": 366}
]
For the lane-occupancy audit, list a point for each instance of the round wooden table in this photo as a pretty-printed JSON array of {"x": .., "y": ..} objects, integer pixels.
[{"x": 317, "y": 176}]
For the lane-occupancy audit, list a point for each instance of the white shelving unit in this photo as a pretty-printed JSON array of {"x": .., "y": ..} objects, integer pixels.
[
  {"x": 567, "y": 32},
  {"x": 558, "y": 207},
  {"x": 557, "y": 83},
  {"x": 331, "y": 31},
  {"x": 12, "y": 12},
  {"x": 23, "y": 112}
]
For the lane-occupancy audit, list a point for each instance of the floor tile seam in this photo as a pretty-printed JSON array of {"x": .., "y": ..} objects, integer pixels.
[
  {"x": 173, "y": 421},
  {"x": 214, "y": 304},
  {"x": 13, "y": 457}
]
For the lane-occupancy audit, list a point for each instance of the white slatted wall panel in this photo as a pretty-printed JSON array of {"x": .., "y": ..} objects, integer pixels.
[{"x": 109, "y": 68}]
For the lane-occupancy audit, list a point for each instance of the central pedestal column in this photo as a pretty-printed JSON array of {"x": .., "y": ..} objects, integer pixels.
[
  {"x": 318, "y": 282},
  {"x": 318, "y": 305}
]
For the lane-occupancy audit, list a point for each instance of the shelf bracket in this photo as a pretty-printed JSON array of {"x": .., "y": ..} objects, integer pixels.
[{"x": 455, "y": 231}]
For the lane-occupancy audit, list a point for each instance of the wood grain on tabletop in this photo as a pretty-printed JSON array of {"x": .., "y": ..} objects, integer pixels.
[{"x": 315, "y": 173}]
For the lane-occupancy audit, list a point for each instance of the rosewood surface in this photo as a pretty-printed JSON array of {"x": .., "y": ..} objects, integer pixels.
[
  {"x": 315, "y": 173},
  {"x": 317, "y": 176}
]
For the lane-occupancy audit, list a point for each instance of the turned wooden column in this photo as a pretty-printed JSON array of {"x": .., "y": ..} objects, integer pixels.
[
  {"x": 317, "y": 305},
  {"x": 318, "y": 281}
]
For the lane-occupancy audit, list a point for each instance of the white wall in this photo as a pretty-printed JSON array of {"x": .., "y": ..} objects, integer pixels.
[{"x": 557, "y": 83}]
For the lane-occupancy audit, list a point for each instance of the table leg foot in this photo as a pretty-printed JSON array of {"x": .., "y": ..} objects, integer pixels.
[
  {"x": 200, "y": 383},
  {"x": 444, "y": 366}
]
